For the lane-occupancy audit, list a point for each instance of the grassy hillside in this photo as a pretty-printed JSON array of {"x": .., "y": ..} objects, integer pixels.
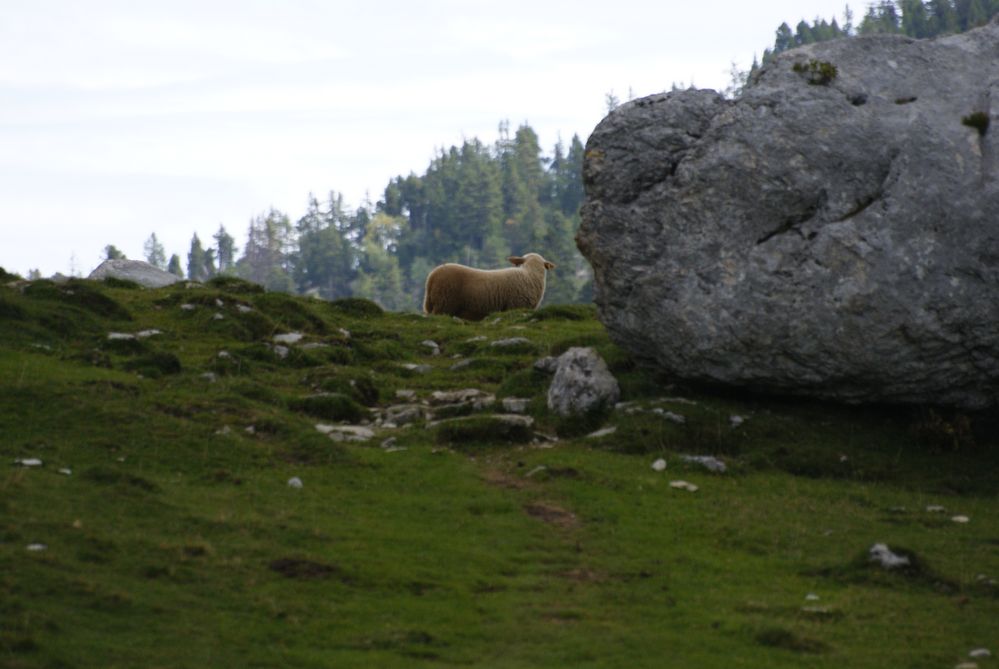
[{"x": 160, "y": 529}]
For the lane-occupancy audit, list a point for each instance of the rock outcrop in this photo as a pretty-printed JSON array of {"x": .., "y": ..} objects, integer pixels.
[
  {"x": 833, "y": 232},
  {"x": 138, "y": 271},
  {"x": 582, "y": 383}
]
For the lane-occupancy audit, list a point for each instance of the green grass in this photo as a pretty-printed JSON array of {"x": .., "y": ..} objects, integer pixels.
[{"x": 176, "y": 541}]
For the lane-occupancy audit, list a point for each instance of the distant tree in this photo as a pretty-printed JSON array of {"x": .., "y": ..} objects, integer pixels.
[
  {"x": 379, "y": 277},
  {"x": 225, "y": 251},
  {"x": 915, "y": 21},
  {"x": 941, "y": 16},
  {"x": 34, "y": 274},
  {"x": 611, "y": 101},
  {"x": 174, "y": 266},
  {"x": 267, "y": 258},
  {"x": 154, "y": 252},
  {"x": 326, "y": 258},
  {"x": 111, "y": 252},
  {"x": 197, "y": 269},
  {"x": 784, "y": 39}
]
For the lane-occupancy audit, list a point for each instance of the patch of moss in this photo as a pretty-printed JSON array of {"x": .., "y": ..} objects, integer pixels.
[
  {"x": 566, "y": 312},
  {"x": 290, "y": 312},
  {"x": 816, "y": 72},
  {"x": 331, "y": 406},
  {"x": 473, "y": 431},
  {"x": 154, "y": 365},
  {"x": 81, "y": 294},
  {"x": 356, "y": 306},
  {"x": 778, "y": 637},
  {"x": 232, "y": 284},
  {"x": 125, "y": 284},
  {"x": 977, "y": 120}
]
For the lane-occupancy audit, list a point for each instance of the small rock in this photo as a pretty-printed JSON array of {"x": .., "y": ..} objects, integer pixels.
[
  {"x": 188, "y": 307},
  {"x": 344, "y": 332},
  {"x": 313, "y": 345},
  {"x": 707, "y": 461},
  {"x": 670, "y": 416},
  {"x": 224, "y": 431},
  {"x": 476, "y": 339},
  {"x": 403, "y": 414},
  {"x": 295, "y": 482},
  {"x": 961, "y": 519},
  {"x": 884, "y": 556},
  {"x": 388, "y": 443},
  {"x": 512, "y": 341},
  {"x": 536, "y": 470},
  {"x": 346, "y": 432},
  {"x": 582, "y": 383},
  {"x": 36, "y": 548},
  {"x": 288, "y": 338},
  {"x": 683, "y": 485},
  {"x": 659, "y": 465},
  {"x": 28, "y": 462},
  {"x": 935, "y": 508},
  {"x": 461, "y": 364},
  {"x": 548, "y": 365},
  {"x": 250, "y": 429},
  {"x": 735, "y": 421},
  {"x": 243, "y": 309},
  {"x": 419, "y": 369},
  {"x": 209, "y": 377},
  {"x": 435, "y": 349},
  {"x": 66, "y": 471},
  {"x": 602, "y": 432},
  {"x": 980, "y": 653},
  {"x": 219, "y": 303},
  {"x": 281, "y": 351},
  {"x": 478, "y": 399},
  {"x": 811, "y": 597},
  {"x": 217, "y": 316},
  {"x": 223, "y": 354},
  {"x": 405, "y": 394},
  {"x": 515, "y": 404},
  {"x": 120, "y": 336}
]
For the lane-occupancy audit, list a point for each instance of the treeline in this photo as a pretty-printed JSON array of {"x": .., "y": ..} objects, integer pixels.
[
  {"x": 476, "y": 204},
  {"x": 913, "y": 18}
]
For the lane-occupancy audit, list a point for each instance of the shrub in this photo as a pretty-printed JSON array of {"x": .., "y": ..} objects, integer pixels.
[
  {"x": 817, "y": 72},
  {"x": 977, "y": 120}
]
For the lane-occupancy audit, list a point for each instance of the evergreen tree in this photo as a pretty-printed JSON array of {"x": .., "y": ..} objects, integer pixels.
[
  {"x": 784, "y": 39},
  {"x": 225, "y": 251},
  {"x": 155, "y": 254},
  {"x": 197, "y": 261},
  {"x": 174, "y": 266},
  {"x": 111, "y": 252},
  {"x": 380, "y": 278},
  {"x": 942, "y": 17},
  {"x": 267, "y": 257},
  {"x": 915, "y": 21},
  {"x": 326, "y": 259}
]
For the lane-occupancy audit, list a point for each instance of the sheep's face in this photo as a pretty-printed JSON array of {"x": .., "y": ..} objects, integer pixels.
[{"x": 520, "y": 260}]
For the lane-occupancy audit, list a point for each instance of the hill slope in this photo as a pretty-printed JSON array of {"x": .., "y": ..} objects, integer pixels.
[{"x": 160, "y": 529}]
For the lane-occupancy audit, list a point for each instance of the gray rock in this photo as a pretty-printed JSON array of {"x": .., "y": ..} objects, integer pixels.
[
  {"x": 346, "y": 432},
  {"x": 138, "y": 271},
  {"x": 474, "y": 397},
  {"x": 582, "y": 383},
  {"x": 885, "y": 557},
  {"x": 709, "y": 462},
  {"x": 288, "y": 337},
  {"x": 836, "y": 240},
  {"x": 516, "y": 404},
  {"x": 404, "y": 414},
  {"x": 511, "y": 342},
  {"x": 548, "y": 364}
]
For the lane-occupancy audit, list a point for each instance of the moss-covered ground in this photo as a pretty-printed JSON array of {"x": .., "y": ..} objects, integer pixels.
[{"x": 160, "y": 530}]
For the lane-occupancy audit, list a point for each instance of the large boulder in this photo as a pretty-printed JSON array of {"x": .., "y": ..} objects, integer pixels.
[
  {"x": 138, "y": 271},
  {"x": 833, "y": 232}
]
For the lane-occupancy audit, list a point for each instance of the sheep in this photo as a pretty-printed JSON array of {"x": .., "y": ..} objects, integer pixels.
[{"x": 469, "y": 293}]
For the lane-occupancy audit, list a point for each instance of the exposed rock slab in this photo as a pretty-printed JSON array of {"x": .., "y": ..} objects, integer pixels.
[
  {"x": 839, "y": 240},
  {"x": 138, "y": 271}
]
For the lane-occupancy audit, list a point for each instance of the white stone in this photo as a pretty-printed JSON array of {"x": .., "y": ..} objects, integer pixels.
[
  {"x": 243, "y": 309},
  {"x": 735, "y": 421},
  {"x": 344, "y": 332},
  {"x": 709, "y": 462},
  {"x": 36, "y": 548},
  {"x": 28, "y": 462},
  {"x": 670, "y": 416},
  {"x": 812, "y": 597},
  {"x": 980, "y": 652},
  {"x": 659, "y": 465},
  {"x": 209, "y": 377},
  {"x": 961, "y": 519},
  {"x": 294, "y": 482},
  {"x": 966, "y": 665},
  {"x": 346, "y": 432},
  {"x": 281, "y": 351},
  {"x": 582, "y": 383},
  {"x": 602, "y": 432},
  {"x": 683, "y": 485},
  {"x": 143, "y": 334},
  {"x": 935, "y": 508},
  {"x": 219, "y": 303},
  {"x": 405, "y": 394},
  {"x": 187, "y": 307},
  {"x": 288, "y": 338},
  {"x": 218, "y": 316},
  {"x": 120, "y": 336},
  {"x": 512, "y": 341},
  {"x": 66, "y": 471},
  {"x": 884, "y": 556},
  {"x": 475, "y": 339},
  {"x": 432, "y": 345},
  {"x": 515, "y": 404}
]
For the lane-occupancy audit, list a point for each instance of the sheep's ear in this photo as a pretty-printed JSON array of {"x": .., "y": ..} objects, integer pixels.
[
  {"x": 550, "y": 265},
  {"x": 516, "y": 260}
]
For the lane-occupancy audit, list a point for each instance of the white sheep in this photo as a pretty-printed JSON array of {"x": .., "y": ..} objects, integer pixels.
[{"x": 469, "y": 293}]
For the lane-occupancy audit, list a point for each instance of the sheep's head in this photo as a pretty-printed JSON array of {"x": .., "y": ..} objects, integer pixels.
[{"x": 520, "y": 260}]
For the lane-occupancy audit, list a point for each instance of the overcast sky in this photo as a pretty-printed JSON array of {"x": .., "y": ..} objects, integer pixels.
[{"x": 119, "y": 119}]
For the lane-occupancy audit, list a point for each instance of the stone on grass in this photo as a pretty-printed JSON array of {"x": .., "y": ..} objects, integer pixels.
[
  {"x": 683, "y": 485},
  {"x": 548, "y": 364},
  {"x": 885, "y": 557},
  {"x": 602, "y": 432},
  {"x": 961, "y": 519},
  {"x": 434, "y": 347},
  {"x": 659, "y": 465},
  {"x": 346, "y": 432},
  {"x": 405, "y": 394},
  {"x": 66, "y": 471},
  {"x": 120, "y": 336},
  {"x": 404, "y": 414},
  {"x": 515, "y": 404},
  {"x": 295, "y": 482},
  {"x": 28, "y": 462},
  {"x": 978, "y": 653},
  {"x": 582, "y": 383},
  {"x": 709, "y": 462},
  {"x": 36, "y": 548},
  {"x": 670, "y": 416},
  {"x": 288, "y": 337}
]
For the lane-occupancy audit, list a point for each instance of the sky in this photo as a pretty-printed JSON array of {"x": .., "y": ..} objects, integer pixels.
[{"x": 119, "y": 119}]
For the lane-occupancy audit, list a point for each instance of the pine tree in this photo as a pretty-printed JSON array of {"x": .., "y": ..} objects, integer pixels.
[
  {"x": 154, "y": 252},
  {"x": 111, "y": 252},
  {"x": 225, "y": 251},
  {"x": 174, "y": 266},
  {"x": 196, "y": 270},
  {"x": 942, "y": 17},
  {"x": 915, "y": 22}
]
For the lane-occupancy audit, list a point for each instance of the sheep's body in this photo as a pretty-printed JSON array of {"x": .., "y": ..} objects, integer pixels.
[{"x": 469, "y": 293}]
